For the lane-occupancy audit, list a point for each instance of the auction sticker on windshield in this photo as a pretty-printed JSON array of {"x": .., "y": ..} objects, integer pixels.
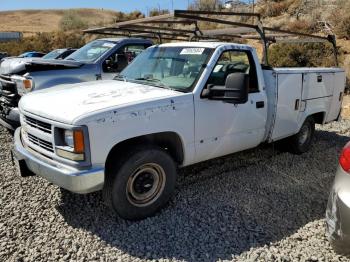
[
  {"x": 192, "y": 51},
  {"x": 110, "y": 45}
]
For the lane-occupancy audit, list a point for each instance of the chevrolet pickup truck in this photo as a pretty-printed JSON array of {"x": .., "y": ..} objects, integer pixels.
[
  {"x": 175, "y": 105},
  {"x": 99, "y": 59}
]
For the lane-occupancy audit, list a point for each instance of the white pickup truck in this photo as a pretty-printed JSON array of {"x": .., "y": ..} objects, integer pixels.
[{"x": 176, "y": 105}]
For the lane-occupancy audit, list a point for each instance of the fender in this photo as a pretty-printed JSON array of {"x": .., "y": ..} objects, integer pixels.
[
  {"x": 58, "y": 81},
  {"x": 117, "y": 125},
  {"x": 312, "y": 111}
]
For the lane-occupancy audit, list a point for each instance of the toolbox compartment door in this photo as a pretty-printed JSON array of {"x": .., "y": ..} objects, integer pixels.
[
  {"x": 289, "y": 90},
  {"x": 318, "y": 85},
  {"x": 337, "y": 98}
]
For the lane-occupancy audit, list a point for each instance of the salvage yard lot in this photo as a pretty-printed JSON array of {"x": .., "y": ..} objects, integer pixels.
[{"x": 261, "y": 204}]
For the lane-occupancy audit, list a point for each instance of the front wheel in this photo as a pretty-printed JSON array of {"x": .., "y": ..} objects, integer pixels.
[
  {"x": 301, "y": 142},
  {"x": 140, "y": 183}
]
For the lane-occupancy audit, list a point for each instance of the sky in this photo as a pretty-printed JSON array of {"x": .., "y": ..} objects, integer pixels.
[{"x": 120, "y": 5}]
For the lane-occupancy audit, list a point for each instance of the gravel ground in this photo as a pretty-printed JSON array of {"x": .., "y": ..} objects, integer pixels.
[{"x": 259, "y": 205}]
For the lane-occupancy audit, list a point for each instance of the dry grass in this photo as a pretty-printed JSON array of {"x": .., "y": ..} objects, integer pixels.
[
  {"x": 346, "y": 107},
  {"x": 33, "y": 21}
]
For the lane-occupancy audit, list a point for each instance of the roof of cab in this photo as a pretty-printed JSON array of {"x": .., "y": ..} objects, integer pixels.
[
  {"x": 119, "y": 39},
  {"x": 200, "y": 44}
]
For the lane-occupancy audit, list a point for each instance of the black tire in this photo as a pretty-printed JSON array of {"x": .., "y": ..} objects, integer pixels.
[
  {"x": 140, "y": 183},
  {"x": 302, "y": 141},
  {"x": 11, "y": 132}
]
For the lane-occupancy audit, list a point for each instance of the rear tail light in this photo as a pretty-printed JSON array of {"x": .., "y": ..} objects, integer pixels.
[{"x": 344, "y": 159}]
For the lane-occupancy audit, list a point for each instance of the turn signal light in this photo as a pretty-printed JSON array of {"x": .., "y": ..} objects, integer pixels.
[
  {"x": 27, "y": 84},
  {"x": 344, "y": 159},
  {"x": 78, "y": 141}
]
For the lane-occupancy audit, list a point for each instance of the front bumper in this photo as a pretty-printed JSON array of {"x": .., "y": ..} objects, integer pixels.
[
  {"x": 72, "y": 179},
  {"x": 338, "y": 213}
]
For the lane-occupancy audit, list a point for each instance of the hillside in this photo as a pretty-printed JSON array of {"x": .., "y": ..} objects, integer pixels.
[{"x": 33, "y": 21}]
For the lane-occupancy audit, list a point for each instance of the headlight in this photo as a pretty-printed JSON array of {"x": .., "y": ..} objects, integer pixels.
[
  {"x": 24, "y": 84},
  {"x": 73, "y": 147},
  {"x": 69, "y": 138}
]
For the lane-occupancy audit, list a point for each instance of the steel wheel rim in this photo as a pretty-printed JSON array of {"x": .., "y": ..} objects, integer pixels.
[
  {"x": 304, "y": 134},
  {"x": 145, "y": 185}
]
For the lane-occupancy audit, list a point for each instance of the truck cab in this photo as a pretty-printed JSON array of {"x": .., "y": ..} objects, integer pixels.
[
  {"x": 175, "y": 105},
  {"x": 100, "y": 59}
]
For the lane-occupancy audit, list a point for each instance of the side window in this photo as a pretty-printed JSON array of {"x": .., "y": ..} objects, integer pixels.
[
  {"x": 121, "y": 58},
  {"x": 131, "y": 51},
  {"x": 234, "y": 61}
]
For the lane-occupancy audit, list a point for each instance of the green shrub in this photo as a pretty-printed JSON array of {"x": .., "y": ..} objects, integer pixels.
[
  {"x": 301, "y": 55},
  {"x": 129, "y": 16},
  {"x": 274, "y": 8},
  {"x": 155, "y": 12},
  {"x": 44, "y": 42}
]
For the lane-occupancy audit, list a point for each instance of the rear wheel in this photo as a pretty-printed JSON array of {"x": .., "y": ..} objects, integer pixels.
[
  {"x": 301, "y": 142},
  {"x": 140, "y": 183}
]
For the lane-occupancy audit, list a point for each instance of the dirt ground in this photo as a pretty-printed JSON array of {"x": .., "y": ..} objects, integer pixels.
[{"x": 346, "y": 107}]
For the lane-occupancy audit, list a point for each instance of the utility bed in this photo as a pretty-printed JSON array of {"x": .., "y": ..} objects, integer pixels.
[{"x": 294, "y": 93}]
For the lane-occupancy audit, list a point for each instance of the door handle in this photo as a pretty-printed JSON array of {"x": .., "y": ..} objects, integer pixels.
[
  {"x": 297, "y": 103},
  {"x": 260, "y": 104}
]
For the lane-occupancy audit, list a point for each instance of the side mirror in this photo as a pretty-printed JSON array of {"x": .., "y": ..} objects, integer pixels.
[{"x": 235, "y": 90}]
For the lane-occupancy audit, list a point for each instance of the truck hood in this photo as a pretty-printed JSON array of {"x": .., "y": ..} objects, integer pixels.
[
  {"x": 21, "y": 65},
  {"x": 66, "y": 103},
  {"x": 14, "y": 65}
]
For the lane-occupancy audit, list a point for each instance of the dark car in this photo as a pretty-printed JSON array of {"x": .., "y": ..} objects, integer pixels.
[
  {"x": 101, "y": 59},
  {"x": 3, "y": 55},
  {"x": 32, "y": 54},
  {"x": 59, "y": 53}
]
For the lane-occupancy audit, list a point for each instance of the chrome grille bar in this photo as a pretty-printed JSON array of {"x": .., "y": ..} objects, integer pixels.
[
  {"x": 41, "y": 143},
  {"x": 38, "y": 124}
]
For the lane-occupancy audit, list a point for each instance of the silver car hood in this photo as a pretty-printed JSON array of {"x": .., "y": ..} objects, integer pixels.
[
  {"x": 14, "y": 65},
  {"x": 17, "y": 65}
]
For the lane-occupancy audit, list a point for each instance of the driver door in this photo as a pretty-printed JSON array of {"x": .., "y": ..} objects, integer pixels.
[{"x": 221, "y": 127}]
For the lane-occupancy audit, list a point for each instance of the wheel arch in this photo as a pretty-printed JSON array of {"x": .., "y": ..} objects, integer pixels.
[
  {"x": 169, "y": 141},
  {"x": 319, "y": 117}
]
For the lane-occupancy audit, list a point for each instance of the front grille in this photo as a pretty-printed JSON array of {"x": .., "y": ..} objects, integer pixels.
[
  {"x": 8, "y": 95},
  {"x": 42, "y": 126},
  {"x": 41, "y": 143}
]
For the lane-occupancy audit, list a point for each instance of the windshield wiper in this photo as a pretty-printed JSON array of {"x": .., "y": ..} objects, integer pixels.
[
  {"x": 120, "y": 77},
  {"x": 70, "y": 59},
  {"x": 148, "y": 79},
  {"x": 154, "y": 80}
]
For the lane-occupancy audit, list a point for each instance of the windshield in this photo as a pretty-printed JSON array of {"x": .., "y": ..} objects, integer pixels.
[
  {"x": 170, "y": 67},
  {"x": 91, "y": 51},
  {"x": 53, "y": 54}
]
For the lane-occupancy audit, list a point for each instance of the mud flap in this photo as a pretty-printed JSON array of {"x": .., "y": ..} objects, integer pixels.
[{"x": 21, "y": 167}]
